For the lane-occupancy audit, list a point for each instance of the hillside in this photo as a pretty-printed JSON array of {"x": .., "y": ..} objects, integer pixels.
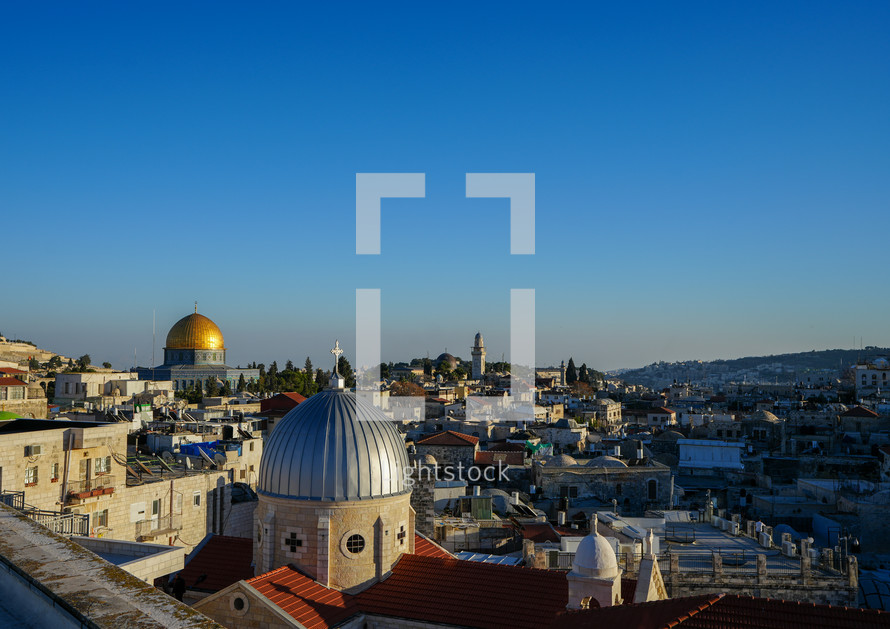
[{"x": 775, "y": 368}]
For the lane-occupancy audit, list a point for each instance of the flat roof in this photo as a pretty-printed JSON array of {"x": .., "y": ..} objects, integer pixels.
[{"x": 83, "y": 585}]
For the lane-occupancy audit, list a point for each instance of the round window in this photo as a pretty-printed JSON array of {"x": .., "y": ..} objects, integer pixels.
[{"x": 355, "y": 544}]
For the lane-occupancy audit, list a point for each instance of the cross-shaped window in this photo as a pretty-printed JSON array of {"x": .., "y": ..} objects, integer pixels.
[
  {"x": 401, "y": 535},
  {"x": 293, "y": 542}
]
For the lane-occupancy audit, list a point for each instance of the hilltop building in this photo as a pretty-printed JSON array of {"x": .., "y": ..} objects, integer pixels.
[{"x": 195, "y": 353}]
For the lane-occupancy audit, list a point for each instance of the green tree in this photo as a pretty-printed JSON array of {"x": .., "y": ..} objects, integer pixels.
[
  {"x": 460, "y": 373},
  {"x": 33, "y": 365},
  {"x": 307, "y": 367},
  {"x": 583, "y": 374},
  {"x": 384, "y": 370},
  {"x": 106, "y": 364},
  {"x": 54, "y": 363},
  {"x": 212, "y": 387},
  {"x": 345, "y": 370},
  {"x": 427, "y": 368},
  {"x": 322, "y": 379},
  {"x": 571, "y": 372},
  {"x": 444, "y": 370},
  {"x": 84, "y": 361},
  {"x": 289, "y": 365},
  {"x": 273, "y": 368},
  {"x": 242, "y": 384},
  {"x": 226, "y": 388}
]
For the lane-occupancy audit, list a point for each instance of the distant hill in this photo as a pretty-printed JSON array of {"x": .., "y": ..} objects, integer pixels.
[{"x": 778, "y": 367}]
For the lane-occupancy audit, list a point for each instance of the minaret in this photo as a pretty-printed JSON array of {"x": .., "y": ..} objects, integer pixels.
[
  {"x": 562, "y": 373},
  {"x": 478, "y": 352}
]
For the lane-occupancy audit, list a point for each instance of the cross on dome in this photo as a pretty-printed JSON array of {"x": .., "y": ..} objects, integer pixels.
[{"x": 336, "y": 352}]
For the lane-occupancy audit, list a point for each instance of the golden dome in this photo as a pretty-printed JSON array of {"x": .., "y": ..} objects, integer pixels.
[{"x": 195, "y": 332}]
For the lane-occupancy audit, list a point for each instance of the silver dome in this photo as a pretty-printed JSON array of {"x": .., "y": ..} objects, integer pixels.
[{"x": 332, "y": 447}]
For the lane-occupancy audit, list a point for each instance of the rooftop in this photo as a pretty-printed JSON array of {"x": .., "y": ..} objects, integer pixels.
[{"x": 80, "y": 585}]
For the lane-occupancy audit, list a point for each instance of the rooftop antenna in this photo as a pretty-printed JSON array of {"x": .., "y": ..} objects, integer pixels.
[{"x": 153, "y": 342}]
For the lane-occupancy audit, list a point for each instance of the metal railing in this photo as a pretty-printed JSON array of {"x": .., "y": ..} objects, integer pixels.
[
  {"x": 100, "y": 483},
  {"x": 147, "y": 528},
  {"x": 14, "y": 499},
  {"x": 55, "y": 521}
]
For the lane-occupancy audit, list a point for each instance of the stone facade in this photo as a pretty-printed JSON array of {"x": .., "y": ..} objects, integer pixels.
[
  {"x": 76, "y": 469},
  {"x": 450, "y": 455},
  {"x": 636, "y": 488},
  {"x": 316, "y": 537}
]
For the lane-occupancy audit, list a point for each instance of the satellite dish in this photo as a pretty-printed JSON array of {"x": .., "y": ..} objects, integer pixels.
[
  {"x": 167, "y": 456},
  {"x": 220, "y": 459},
  {"x": 188, "y": 463}
]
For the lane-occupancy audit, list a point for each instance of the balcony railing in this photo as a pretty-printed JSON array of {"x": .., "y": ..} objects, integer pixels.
[
  {"x": 92, "y": 486},
  {"x": 55, "y": 521},
  {"x": 159, "y": 526}
]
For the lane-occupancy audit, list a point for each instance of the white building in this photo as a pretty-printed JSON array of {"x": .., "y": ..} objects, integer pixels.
[{"x": 710, "y": 454}]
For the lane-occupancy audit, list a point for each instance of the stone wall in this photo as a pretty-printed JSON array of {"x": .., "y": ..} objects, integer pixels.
[
  {"x": 313, "y": 535},
  {"x": 424, "y": 504},
  {"x": 239, "y": 520},
  {"x": 450, "y": 455},
  {"x": 630, "y": 486}
]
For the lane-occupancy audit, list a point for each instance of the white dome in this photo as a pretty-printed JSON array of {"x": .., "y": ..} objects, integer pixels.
[{"x": 595, "y": 557}]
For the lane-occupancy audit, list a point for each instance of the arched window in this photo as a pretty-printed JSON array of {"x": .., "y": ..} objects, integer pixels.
[{"x": 653, "y": 489}]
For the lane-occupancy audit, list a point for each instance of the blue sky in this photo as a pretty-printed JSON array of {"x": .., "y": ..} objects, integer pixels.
[{"x": 711, "y": 177}]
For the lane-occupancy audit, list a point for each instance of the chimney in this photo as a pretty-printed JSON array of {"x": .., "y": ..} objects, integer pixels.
[
  {"x": 515, "y": 500},
  {"x": 561, "y": 518},
  {"x": 639, "y": 449},
  {"x": 477, "y": 491}
]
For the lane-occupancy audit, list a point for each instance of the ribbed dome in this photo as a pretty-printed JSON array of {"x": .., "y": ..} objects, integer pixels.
[
  {"x": 195, "y": 332},
  {"x": 332, "y": 447}
]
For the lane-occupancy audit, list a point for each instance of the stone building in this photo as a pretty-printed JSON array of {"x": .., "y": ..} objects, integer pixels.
[
  {"x": 333, "y": 492},
  {"x": 195, "y": 353},
  {"x": 642, "y": 485},
  {"x": 76, "y": 472},
  {"x": 17, "y": 397},
  {"x": 449, "y": 447}
]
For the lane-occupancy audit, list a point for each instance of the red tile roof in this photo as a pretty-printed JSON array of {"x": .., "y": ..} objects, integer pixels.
[
  {"x": 222, "y": 561},
  {"x": 12, "y": 382},
  {"x": 449, "y": 438},
  {"x": 540, "y": 533},
  {"x": 859, "y": 411},
  {"x": 740, "y": 612},
  {"x": 425, "y": 547},
  {"x": 281, "y": 402},
  {"x": 11, "y": 370},
  {"x": 660, "y": 410},
  {"x": 723, "y": 611},
  {"x": 467, "y": 594},
  {"x": 488, "y": 457},
  {"x": 311, "y": 604}
]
